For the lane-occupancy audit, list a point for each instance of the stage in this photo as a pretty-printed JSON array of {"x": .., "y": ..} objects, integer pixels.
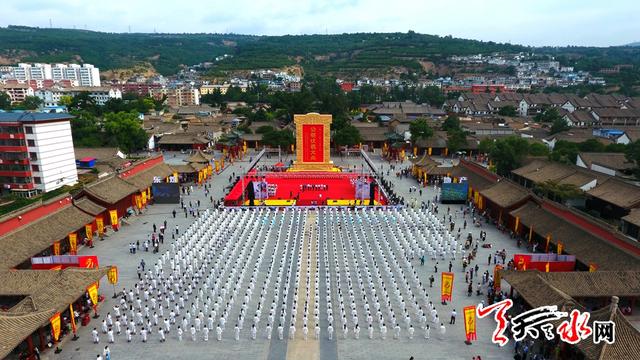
[{"x": 304, "y": 188}]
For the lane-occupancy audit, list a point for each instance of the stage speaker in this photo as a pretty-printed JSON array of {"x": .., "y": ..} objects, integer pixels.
[
  {"x": 372, "y": 193},
  {"x": 251, "y": 194}
]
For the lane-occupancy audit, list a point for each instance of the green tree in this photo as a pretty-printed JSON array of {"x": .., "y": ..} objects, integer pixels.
[
  {"x": 564, "y": 152},
  {"x": 85, "y": 130},
  {"x": 559, "y": 125},
  {"x": 537, "y": 149},
  {"x": 558, "y": 192},
  {"x": 508, "y": 154},
  {"x": 452, "y": 122},
  {"x": 485, "y": 146},
  {"x": 264, "y": 129},
  {"x": 456, "y": 140},
  {"x": 550, "y": 115},
  {"x": 31, "y": 102},
  {"x": 5, "y": 101},
  {"x": 633, "y": 154},
  {"x": 592, "y": 145},
  {"x": 66, "y": 100},
  {"x": 283, "y": 138},
  {"x": 348, "y": 135},
  {"x": 83, "y": 101},
  {"x": 420, "y": 129},
  {"x": 508, "y": 110},
  {"x": 124, "y": 131}
]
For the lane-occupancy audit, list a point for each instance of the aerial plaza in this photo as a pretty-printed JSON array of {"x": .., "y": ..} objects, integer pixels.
[{"x": 308, "y": 278}]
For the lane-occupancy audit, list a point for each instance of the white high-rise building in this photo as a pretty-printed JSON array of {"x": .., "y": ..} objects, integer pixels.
[
  {"x": 38, "y": 155},
  {"x": 79, "y": 75}
]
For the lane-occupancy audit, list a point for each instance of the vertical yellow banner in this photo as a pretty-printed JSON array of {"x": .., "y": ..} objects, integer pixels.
[
  {"x": 55, "y": 326},
  {"x": 56, "y": 248},
  {"x": 100, "y": 225},
  {"x": 113, "y": 214},
  {"x": 89, "y": 231},
  {"x": 446, "y": 288},
  {"x": 470, "y": 322},
  {"x": 73, "y": 243},
  {"x": 93, "y": 293}
]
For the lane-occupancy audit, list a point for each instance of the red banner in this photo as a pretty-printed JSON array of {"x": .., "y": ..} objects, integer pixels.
[{"x": 313, "y": 143}]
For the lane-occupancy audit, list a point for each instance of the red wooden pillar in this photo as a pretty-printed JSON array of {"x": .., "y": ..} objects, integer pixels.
[
  {"x": 30, "y": 345},
  {"x": 42, "y": 345}
]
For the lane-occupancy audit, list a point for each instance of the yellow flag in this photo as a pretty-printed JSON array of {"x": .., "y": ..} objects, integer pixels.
[
  {"x": 93, "y": 293},
  {"x": 73, "y": 243},
  {"x": 112, "y": 275},
  {"x": 73, "y": 319},
  {"x": 88, "y": 231},
  {"x": 100, "y": 225},
  {"x": 56, "y": 248},
  {"x": 546, "y": 267},
  {"x": 470, "y": 322},
  {"x": 55, "y": 326},
  {"x": 446, "y": 286},
  {"x": 114, "y": 218}
]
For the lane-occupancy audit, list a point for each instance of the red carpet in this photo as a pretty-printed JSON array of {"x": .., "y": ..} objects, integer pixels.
[{"x": 339, "y": 187}]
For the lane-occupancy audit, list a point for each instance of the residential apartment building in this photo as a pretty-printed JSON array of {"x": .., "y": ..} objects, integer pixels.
[
  {"x": 52, "y": 96},
  {"x": 36, "y": 152},
  {"x": 17, "y": 92},
  {"x": 79, "y": 75},
  {"x": 181, "y": 96}
]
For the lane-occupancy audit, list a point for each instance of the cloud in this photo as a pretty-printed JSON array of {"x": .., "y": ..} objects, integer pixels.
[{"x": 542, "y": 22}]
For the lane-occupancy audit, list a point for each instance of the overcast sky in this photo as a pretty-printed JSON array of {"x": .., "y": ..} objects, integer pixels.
[{"x": 528, "y": 22}]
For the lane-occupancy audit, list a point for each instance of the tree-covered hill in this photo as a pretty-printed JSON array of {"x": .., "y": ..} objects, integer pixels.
[
  {"x": 167, "y": 52},
  {"x": 342, "y": 54}
]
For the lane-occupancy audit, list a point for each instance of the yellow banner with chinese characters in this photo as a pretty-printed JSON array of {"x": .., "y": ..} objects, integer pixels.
[
  {"x": 429, "y": 151},
  {"x": 55, "y": 326},
  {"x": 114, "y": 218},
  {"x": 112, "y": 275},
  {"x": 447, "y": 286},
  {"x": 73, "y": 243},
  {"x": 100, "y": 225},
  {"x": 470, "y": 322},
  {"x": 89, "y": 231},
  {"x": 148, "y": 194},
  {"x": 217, "y": 165},
  {"x": 138, "y": 201},
  {"x": 515, "y": 228},
  {"x": 56, "y": 248},
  {"x": 93, "y": 293},
  {"x": 143, "y": 198}
]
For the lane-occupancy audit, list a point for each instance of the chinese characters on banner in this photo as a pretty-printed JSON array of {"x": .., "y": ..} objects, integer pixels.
[
  {"x": 313, "y": 140},
  {"x": 55, "y": 326},
  {"x": 470, "y": 322},
  {"x": 138, "y": 201},
  {"x": 93, "y": 294},
  {"x": 73, "y": 243},
  {"x": 100, "y": 225},
  {"x": 112, "y": 275},
  {"x": 114, "y": 218},
  {"x": 540, "y": 322},
  {"x": 447, "y": 286},
  {"x": 89, "y": 231}
]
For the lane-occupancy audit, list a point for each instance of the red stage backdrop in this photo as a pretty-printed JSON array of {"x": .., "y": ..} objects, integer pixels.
[{"x": 313, "y": 144}]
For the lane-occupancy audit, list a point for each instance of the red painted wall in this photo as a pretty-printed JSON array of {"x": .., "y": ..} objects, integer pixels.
[
  {"x": 33, "y": 215},
  {"x": 140, "y": 167}
]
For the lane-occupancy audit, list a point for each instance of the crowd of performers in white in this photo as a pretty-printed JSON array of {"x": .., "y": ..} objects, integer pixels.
[{"x": 289, "y": 273}]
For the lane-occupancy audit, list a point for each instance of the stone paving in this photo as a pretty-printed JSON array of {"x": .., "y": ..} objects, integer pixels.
[{"x": 114, "y": 250}]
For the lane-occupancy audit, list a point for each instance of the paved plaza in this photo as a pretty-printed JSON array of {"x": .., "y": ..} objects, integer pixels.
[{"x": 319, "y": 257}]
